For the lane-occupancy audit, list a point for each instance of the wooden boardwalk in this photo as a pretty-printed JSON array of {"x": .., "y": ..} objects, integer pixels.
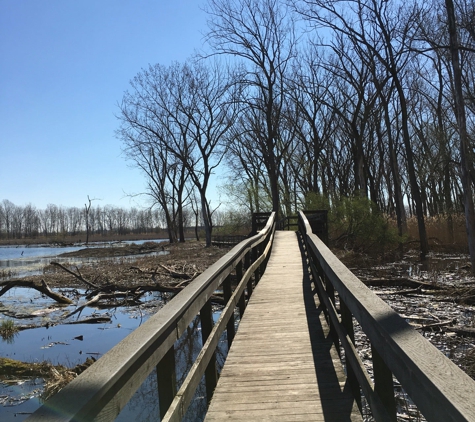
[{"x": 282, "y": 365}]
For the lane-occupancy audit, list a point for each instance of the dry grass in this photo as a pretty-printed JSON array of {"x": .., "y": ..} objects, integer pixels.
[
  {"x": 58, "y": 377},
  {"x": 55, "y": 377},
  {"x": 439, "y": 235}
]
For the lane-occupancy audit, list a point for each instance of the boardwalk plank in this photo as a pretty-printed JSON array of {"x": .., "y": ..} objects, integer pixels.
[{"x": 281, "y": 366}]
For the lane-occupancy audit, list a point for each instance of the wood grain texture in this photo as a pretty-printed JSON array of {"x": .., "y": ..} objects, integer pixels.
[{"x": 282, "y": 365}]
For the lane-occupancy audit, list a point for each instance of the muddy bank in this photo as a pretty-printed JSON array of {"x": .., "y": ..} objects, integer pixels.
[
  {"x": 118, "y": 249},
  {"x": 131, "y": 264}
]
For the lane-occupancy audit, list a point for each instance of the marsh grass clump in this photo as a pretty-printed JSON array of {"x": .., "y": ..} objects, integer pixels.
[
  {"x": 8, "y": 329},
  {"x": 55, "y": 376},
  {"x": 5, "y": 274}
]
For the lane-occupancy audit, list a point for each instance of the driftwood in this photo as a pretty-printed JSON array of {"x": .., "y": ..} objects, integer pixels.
[
  {"x": 462, "y": 331},
  {"x": 169, "y": 271},
  {"x": 91, "y": 320},
  {"x": 78, "y": 275},
  {"x": 41, "y": 287},
  {"x": 94, "y": 300},
  {"x": 399, "y": 281},
  {"x": 439, "y": 325},
  {"x": 175, "y": 274},
  {"x": 400, "y": 292}
]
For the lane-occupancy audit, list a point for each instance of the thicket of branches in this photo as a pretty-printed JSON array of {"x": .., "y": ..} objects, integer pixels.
[{"x": 357, "y": 98}]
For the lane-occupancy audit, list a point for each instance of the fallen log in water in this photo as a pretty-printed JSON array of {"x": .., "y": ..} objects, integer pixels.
[
  {"x": 400, "y": 281},
  {"x": 462, "y": 331},
  {"x": 42, "y": 287},
  {"x": 91, "y": 320}
]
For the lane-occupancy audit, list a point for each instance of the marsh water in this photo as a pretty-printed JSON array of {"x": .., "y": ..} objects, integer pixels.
[
  {"x": 70, "y": 345},
  {"x": 24, "y": 260}
]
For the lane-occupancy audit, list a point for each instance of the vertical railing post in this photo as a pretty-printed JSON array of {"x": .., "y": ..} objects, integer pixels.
[
  {"x": 166, "y": 381},
  {"x": 230, "y": 327},
  {"x": 262, "y": 267},
  {"x": 255, "y": 255},
  {"x": 383, "y": 384},
  {"x": 247, "y": 263},
  {"x": 211, "y": 373},
  {"x": 347, "y": 322},
  {"x": 242, "y": 299}
]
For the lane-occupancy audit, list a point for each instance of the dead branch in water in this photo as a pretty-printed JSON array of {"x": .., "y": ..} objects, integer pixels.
[
  {"x": 78, "y": 275},
  {"x": 42, "y": 287},
  {"x": 399, "y": 281},
  {"x": 91, "y": 320},
  {"x": 94, "y": 300},
  {"x": 175, "y": 274}
]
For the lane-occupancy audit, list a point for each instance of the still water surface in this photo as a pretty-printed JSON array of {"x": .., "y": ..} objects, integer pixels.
[
  {"x": 70, "y": 345},
  {"x": 59, "y": 344},
  {"x": 24, "y": 260}
]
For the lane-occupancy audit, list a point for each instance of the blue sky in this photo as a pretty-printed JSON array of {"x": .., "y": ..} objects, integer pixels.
[{"x": 64, "y": 66}]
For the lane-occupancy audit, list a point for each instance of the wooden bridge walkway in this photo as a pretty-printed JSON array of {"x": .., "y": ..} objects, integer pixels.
[{"x": 282, "y": 365}]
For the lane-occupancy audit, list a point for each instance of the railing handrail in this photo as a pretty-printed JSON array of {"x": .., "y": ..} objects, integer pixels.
[
  {"x": 101, "y": 391},
  {"x": 438, "y": 387}
]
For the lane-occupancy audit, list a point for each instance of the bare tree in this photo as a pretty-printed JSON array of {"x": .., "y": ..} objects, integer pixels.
[
  {"x": 187, "y": 110},
  {"x": 261, "y": 34},
  {"x": 87, "y": 215},
  {"x": 465, "y": 161},
  {"x": 380, "y": 32}
]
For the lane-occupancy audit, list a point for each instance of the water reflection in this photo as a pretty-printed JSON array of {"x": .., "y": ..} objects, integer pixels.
[
  {"x": 144, "y": 406},
  {"x": 28, "y": 267},
  {"x": 21, "y": 261}
]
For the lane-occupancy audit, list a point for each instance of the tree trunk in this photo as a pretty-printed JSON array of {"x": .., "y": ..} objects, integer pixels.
[
  {"x": 462, "y": 128},
  {"x": 415, "y": 191},
  {"x": 206, "y": 218}
]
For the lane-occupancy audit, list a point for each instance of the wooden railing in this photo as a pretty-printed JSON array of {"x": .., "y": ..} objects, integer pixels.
[
  {"x": 104, "y": 389},
  {"x": 440, "y": 390}
]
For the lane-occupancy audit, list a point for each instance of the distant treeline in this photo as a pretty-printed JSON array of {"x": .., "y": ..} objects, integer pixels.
[{"x": 27, "y": 221}]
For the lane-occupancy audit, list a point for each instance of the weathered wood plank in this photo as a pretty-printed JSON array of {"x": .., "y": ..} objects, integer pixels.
[{"x": 281, "y": 366}]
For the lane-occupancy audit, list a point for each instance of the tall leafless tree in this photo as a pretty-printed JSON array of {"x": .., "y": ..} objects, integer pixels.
[{"x": 260, "y": 35}]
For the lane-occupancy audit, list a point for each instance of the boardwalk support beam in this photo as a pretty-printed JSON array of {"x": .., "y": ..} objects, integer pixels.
[
  {"x": 211, "y": 373},
  {"x": 166, "y": 381}
]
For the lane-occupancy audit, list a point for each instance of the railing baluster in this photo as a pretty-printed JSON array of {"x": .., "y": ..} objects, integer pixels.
[
  {"x": 255, "y": 255},
  {"x": 230, "y": 327},
  {"x": 383, "y": 384},
  {"x": 331, "y": 295},
  {"x": 247, "y": 263},
  {"x": 211, "y": 373},
  {"x": 347, "y": 322},
  {"x": 242, "y": 299},
  {"x": 166, "y": 381}
]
